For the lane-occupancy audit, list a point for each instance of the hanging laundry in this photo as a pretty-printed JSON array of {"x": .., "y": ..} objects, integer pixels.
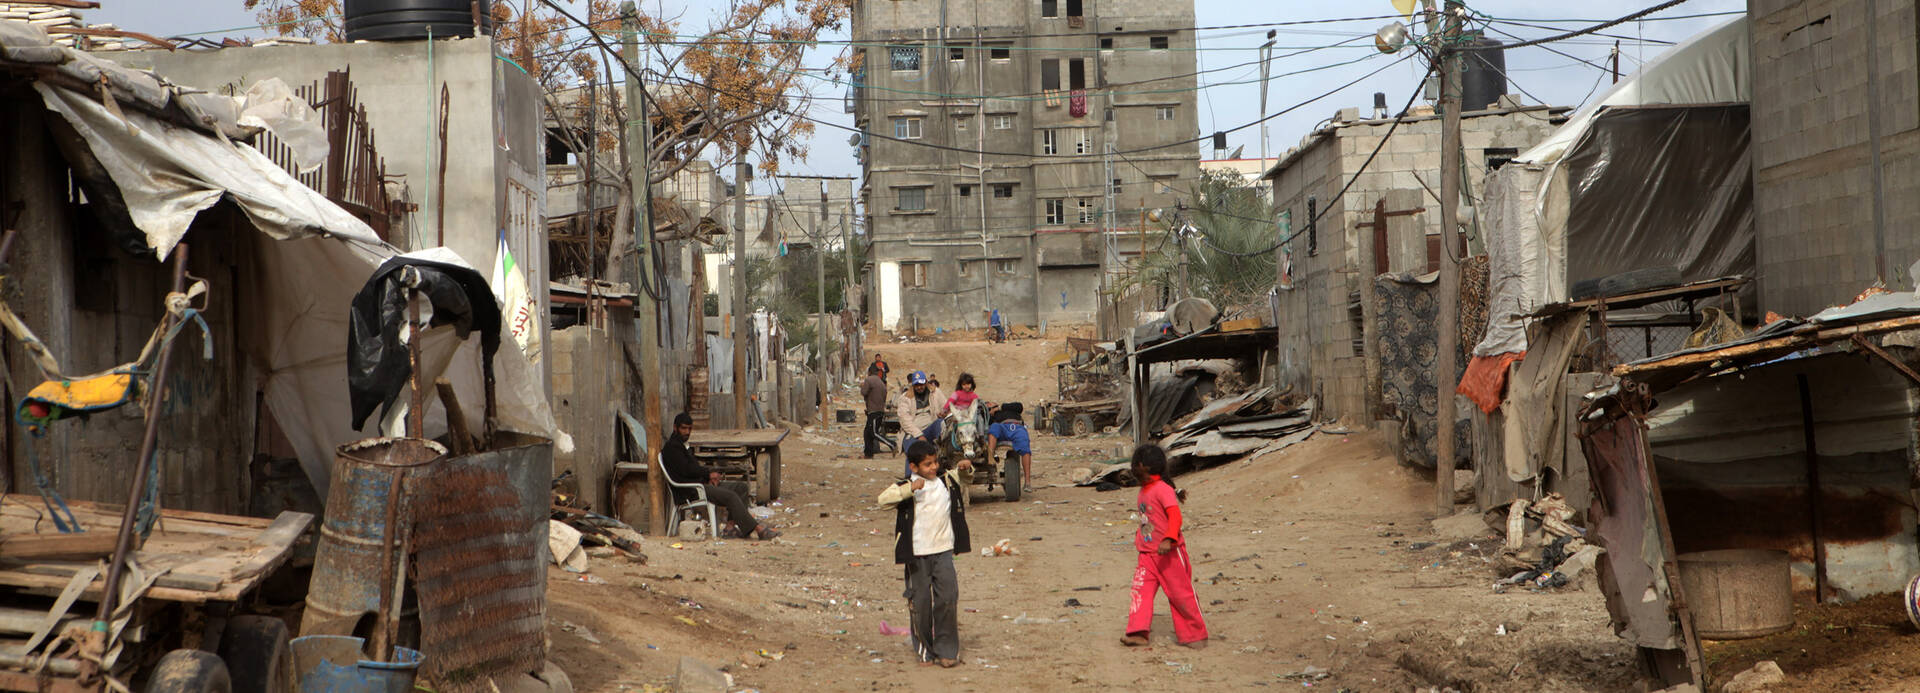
[{"x": 1077, "y": 104}]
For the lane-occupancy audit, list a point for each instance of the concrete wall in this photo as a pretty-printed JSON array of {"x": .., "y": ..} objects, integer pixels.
[
  {"x": 1817, "y": 123},
  {"x": 948, "y": 233},
  {"x": 1322, "y": 333},
  {"x": 495, "y": 109}
]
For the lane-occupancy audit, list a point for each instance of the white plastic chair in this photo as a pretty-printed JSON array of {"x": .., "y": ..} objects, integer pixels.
[{"x": 699, "y": 502}]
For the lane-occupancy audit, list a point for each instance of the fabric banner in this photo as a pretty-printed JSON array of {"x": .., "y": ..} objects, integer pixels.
[{"x": 518, "y": 305}]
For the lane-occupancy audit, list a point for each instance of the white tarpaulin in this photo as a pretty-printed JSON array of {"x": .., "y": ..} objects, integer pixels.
[{"x": 320, "y": 257}]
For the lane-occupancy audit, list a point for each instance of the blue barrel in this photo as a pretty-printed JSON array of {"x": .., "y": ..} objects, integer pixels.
[
  {"x": 347, "y": 563},
  {"x": 412, "y": 20},
  {"x": 335, "y": 664}
]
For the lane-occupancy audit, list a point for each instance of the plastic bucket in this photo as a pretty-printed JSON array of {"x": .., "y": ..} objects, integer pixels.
[{"x": 335, "y": 664}]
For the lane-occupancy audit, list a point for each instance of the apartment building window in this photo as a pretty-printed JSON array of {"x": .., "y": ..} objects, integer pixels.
[
  {"x": 1499, "y": 156},
  {"x": 1076, "y": 74},
  {"x": 1006, "y": 266},
  {"x": 913, "y": 274},
  {"x": 964, "y": 190},
  {"x": 1162, "y": 183},
  {"x": 1049, "y": 8},
  {"x": 1163, "y": 112},
  {"x": 962, "y": 122},
  {"x": 911, "y": 199},
  {"x": 1083, "y": 141},
  {"x": 966, "y": 269},
  {"x": 1158, "y": 43},
  {"x": 1086, "y": 211},
  {"x": 1109, "y": 114},
  {"x": 906, "y": 128},
  {"x": 1049, "y": 74},
  {"x": 1115, "y": 189},
  {"x": 1056, "y": 211},
  {"x": 1049, "y": 142},
  {"x": 905, "y": 58},
  {"x": 957, "y": 54},
  {"x": 1003, "y": 122},
  {"x": 1003, "y": 191},
  {"x": 1106, "y": 43},
  {"x": 1000, "y": 53}
]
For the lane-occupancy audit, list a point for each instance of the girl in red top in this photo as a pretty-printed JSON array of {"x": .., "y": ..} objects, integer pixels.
[{"x": 1163, "y": 556}]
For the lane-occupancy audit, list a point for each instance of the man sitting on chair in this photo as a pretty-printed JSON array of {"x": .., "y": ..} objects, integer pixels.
[{"x": 730, "y": 495}]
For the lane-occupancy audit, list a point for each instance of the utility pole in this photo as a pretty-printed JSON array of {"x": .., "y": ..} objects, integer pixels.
[
  {"x": 1447, "y": 361},
  {"x": 1266, "y": 56},
  {"x": 740, "y": 337},
  {"x": 820, "y": 287},
  {"x": 647, "y": 315},
  {"x": 1616, "y": 62}
]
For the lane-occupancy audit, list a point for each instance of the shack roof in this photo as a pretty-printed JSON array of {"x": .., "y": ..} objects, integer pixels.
[
  {"x": 1872, "y": 315},
  {"x": 1211, "y": 343}
]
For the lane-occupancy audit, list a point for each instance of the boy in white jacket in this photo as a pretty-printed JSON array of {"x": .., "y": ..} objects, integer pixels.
[{"x": 930, "y": 527}]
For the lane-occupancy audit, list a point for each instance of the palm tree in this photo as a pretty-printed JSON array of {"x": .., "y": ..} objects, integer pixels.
[{"x": 1227, "y": 239}]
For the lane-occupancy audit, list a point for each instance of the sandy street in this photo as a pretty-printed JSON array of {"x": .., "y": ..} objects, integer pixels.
[{"x": 1317, "y": 567}]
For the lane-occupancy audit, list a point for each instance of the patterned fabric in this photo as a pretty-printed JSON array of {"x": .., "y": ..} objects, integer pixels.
[{"x": 1406, "y": 313}]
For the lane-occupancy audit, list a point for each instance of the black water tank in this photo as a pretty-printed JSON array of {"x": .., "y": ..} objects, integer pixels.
[
  {"x": 1485, "y": 80},
  {"x": 410, "y": 20}
]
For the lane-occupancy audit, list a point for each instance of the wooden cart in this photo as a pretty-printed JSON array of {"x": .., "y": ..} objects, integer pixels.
[
  {"x": 749, "y": 454},
  {"x": 187, "y": 631}
]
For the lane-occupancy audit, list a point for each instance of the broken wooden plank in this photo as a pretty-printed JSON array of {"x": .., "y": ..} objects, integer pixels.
[
  {"x": 1253, "y": 323},
  {"x": 40, "y": 547},
  {"x": 272, "y": 546},
  {"x": 171, "y": 580},
  {"x": 1788, "y": 344}
]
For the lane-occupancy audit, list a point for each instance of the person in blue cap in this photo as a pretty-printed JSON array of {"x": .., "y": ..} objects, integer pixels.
[{"x": 918, "y": 407}]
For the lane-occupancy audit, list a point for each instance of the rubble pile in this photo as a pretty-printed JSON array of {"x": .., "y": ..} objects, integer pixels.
[
  {"x": 1543, "y": 548},
  {"x": 1238, "y": 426}
]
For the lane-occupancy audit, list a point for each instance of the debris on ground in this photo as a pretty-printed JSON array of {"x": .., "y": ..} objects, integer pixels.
[
  {"x": 1004, "y": 547},
  {"x": 1238, "y": 427},
  {"x": 1542, "y": 548},
  {"x": 1764, "y": 674}
]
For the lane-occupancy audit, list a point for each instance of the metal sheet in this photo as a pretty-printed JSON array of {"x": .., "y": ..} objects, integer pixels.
[{"x": 480, "y": 554}]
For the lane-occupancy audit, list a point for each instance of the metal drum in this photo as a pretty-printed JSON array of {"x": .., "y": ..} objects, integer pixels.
[{"x": 363, "y": 499}]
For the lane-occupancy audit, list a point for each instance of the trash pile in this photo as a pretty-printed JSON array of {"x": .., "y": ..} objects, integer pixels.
[
  {"x": 1543, "y": 549},
  {"x": 573, "y": 535},
  {"x": 1237, "y": 426}
]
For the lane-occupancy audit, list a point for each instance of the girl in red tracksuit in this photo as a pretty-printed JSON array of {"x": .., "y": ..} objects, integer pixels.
[{"x": 1163, "y": 556}]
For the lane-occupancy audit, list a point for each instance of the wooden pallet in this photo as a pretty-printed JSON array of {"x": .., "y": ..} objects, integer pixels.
[{"x": 207, "y": 557}]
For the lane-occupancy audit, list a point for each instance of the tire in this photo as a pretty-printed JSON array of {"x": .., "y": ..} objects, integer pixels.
[
  {"x": 1011, "y": 478},
  {"x": 1062, "y": 426},
  {"x": 1083, "y": 425},
  {"x": 1625, "y": 283},
  {"x": 255, "y": 651},
  {"x": 190, "y": 671},
  {"x": 773, "y": 472}
]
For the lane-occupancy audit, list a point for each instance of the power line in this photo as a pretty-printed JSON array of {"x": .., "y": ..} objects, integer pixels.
[{"x": 1576, "y": 32}]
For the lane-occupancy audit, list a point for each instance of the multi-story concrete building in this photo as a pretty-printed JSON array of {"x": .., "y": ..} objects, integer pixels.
[{"x": 1007, "y": 142}]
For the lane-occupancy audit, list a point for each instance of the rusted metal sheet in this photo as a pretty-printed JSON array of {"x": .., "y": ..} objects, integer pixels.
[{"x": 480, "y": 554}]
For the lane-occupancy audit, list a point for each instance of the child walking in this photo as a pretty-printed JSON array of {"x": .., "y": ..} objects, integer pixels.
[
  {"x": 929, "y": 528},
  {"x": 1163, "y": 556}
]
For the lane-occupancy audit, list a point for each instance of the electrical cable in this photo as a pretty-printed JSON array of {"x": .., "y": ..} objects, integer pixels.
[
  {"x": 1576, "y": 32},
  {"x": 1343, "y": 189}
]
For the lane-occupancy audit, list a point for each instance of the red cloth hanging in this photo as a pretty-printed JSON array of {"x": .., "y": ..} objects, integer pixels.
[{"x": 1077, "y": 105}]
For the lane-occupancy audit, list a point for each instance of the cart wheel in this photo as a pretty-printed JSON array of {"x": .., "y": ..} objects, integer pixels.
[
  {"x": 1062, "y": 426},
  {"x": 773, "y": 475},
  {"x": 1083, "y": 425},
  {"x": 190, "y": 671},
  {"x": 1011, "y": 479},
  {"x": 255, "y": 650},
  {"x": 762, "y": 480}
]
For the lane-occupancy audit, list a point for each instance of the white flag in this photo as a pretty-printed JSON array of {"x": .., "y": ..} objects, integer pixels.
[{"x": 518, "y": 309}]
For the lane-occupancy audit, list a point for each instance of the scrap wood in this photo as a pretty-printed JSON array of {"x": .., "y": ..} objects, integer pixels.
[{"x": 75, "y": 546}]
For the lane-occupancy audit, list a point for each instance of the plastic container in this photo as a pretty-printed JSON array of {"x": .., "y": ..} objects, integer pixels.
[
  {"x": 336, "y": 664},
  {"x": 409, "y": 20}
]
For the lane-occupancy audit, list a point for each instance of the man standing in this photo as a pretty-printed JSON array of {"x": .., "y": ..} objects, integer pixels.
[
  {"x": 999, "y": 330},
  {"x": 917, "y": 408},
  {"x": 879, "y": 367},
  {"x": 874, "y": 391},
  {"x": 730, "y": 495}
]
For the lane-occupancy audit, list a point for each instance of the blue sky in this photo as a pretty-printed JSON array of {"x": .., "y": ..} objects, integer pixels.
[{"x": 1230, "y": 97}]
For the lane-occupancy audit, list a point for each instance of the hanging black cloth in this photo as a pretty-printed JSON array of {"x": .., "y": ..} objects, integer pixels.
[{"x": 377, "y": 363}]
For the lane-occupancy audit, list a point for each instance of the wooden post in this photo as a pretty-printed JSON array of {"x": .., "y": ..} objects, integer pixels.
[
  {"x": 1446, "y": 367},
  {"x": 1813, "y": 491},
  {"x": 740, "y": 334},
  {"x": 646, "y": 311}
]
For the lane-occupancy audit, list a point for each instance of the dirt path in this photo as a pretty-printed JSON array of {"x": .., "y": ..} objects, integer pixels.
[
  {"x": 1319, "y": 558},
  {"x": 1015, "y": 371}
]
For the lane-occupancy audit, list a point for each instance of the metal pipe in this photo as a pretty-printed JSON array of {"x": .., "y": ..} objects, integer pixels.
[{"x": 123, "y": 543}]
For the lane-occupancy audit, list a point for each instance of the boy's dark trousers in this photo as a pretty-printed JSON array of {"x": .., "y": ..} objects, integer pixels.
[
  {"x": 933, "y": 598},
  {"x": 871, "y": 441}
]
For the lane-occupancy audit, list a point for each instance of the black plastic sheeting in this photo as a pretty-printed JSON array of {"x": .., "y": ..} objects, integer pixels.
[
  {"x": 1662, "y": 187},
  {"x": 378, "y": 366}
]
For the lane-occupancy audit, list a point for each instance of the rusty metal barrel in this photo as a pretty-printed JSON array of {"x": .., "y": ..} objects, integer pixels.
[
  {"x": 362, "y": 500},
  {"x": 1738, "y": 593}
]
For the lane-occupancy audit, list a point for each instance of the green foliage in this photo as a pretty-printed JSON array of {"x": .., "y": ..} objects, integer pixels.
[
  {"x": 786, "y": 285},
  {"x": 1231, "y": 216}
]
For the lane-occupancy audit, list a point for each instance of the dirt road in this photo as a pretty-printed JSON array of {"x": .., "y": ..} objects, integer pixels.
[{"x": 1315, "y": 565}]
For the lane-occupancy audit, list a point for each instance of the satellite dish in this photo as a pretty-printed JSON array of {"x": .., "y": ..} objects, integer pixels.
[
  {"x": 1153, "y": 214},
  {"x": 1390, "y": 38},
  {"x": 1190, "y": 315},
  {"x": 853, "y": 140}
]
